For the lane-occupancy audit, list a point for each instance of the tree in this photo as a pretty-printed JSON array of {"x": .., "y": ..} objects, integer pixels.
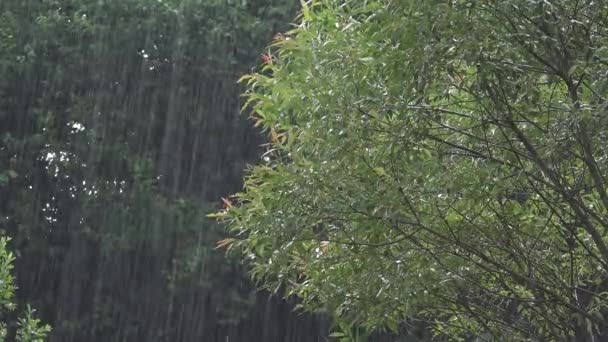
[
  {"x": 119, "y": 131},
  {"x": 442, "y": 161},
  {"x": 27, "y": 328}
]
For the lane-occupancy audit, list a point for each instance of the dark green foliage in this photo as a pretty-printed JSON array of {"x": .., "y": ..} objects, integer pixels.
[
  {"x": 25, "y": 328},
  {"x": 119, "y": 131}
]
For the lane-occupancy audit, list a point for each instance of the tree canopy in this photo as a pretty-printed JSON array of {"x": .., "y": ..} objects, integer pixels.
[
  {"x": 441, "y": 161},
  {"x": 27, "y": 327},
  {"x": 119, "y": 132}
]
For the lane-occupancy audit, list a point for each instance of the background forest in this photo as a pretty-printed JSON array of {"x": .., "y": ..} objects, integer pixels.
[{"x": 119, "y": 131}]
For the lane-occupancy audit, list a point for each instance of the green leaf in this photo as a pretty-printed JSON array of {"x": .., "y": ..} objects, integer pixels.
[{"x": 305, "y": 10}]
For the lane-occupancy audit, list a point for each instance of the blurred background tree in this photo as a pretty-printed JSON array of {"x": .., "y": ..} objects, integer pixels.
[{"x": 119, "y": 131}]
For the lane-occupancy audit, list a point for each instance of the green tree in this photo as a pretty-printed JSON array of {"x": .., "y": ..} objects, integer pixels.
[
  {"x": 28, "y": 328},
  {"x": 442, "y": 161},
  {"x": 119, "y": 131}
]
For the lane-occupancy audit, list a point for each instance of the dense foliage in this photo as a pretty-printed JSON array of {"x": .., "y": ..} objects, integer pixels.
[
  {"x": 119, "y": 131},
  {"x": 27, "y": 328},
  {"x": 439, "y": 161}
]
